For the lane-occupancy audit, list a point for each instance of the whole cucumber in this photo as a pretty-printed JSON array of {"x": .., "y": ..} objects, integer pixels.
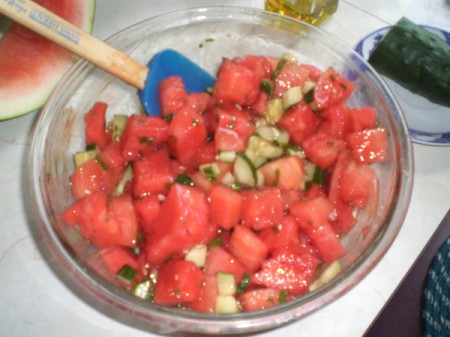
[{"x": 416, "y": 59}]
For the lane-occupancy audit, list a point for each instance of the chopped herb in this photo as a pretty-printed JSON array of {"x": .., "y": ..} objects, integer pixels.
[
  {"x": 49, "y": 176},
  {"x": 127, "y": 273},
  {"x": 266, "y": 86},
  {"x": 319, "y": 175},
  {"x": 195, "y": 121},
  {"x": 308, "y": 185},
  {"x": 215, "y": 242},
  {"x": 102, "y": 163},
  {"x": 91, "y": 147},
  {"x": 168, "y": 259},
  {"x": 146, "y": 140},
  {"x": 309, "y": 96},
  {"x": 282, "y": 296},
  {"x": 244, "y": 284},
  {"x": 202, "y": 44},
  {"x": 343, "y": 86},
  {"x": 236, "y": 186},
  {"x": 277, "y": 70},
  {"x": 168, "y": 117},
  {"x": 209, "y": 90},
  {"x": 184, "y": 179},
  {"x": 209, "y": 172}
]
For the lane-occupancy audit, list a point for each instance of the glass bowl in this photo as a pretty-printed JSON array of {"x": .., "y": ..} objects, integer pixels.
[{"x": 206, "y": 35}]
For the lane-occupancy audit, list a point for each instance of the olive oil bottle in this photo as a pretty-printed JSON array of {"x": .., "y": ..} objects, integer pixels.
[{"x": 312, "y": 11}]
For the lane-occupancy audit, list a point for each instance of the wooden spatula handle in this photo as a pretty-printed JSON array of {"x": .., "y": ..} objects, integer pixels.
[{"x": 74, "y": 39}]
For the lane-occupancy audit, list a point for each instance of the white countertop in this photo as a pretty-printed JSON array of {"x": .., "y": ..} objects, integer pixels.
[{"x": 36, "y": 301}]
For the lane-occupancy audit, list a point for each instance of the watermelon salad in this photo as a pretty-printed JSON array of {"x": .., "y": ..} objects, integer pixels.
[{"x": 234, "y": 199}]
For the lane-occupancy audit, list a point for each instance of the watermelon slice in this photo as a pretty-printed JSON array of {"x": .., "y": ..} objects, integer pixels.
[{"x": 31, "y": 65}]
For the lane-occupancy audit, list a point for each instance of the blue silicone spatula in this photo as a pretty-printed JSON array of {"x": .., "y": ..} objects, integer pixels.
[{"x": 145, "y": 78}]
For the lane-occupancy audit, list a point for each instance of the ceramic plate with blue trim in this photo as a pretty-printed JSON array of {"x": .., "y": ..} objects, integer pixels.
[{"x": 428, "y": 123}]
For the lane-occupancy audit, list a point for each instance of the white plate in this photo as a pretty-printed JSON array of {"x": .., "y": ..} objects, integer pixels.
[{"x": 428, "y": 123}]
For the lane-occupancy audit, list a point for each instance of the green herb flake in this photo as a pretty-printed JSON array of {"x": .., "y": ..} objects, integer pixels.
[
  {"x": 168, "y": 117},
  {"x": 283, "y": 295},
  {"x": 209, "y": 173},
  {"x": 308, "y": 185},
  {"x": 146, "y": 140},
  {"x": 236, "y": 186},
  {"x": 319, "y": 175},
  {"x": 127, "y": 273},
  {"x": 184, "y": 179},
  {"x": 102, "y": 163},
  {"x": 266, "y": 86},
  {"x": 244, "y": 284},
  {"x": 214, "y": 242},
  {"x": 280, "y": 65},
  {"x": 309, "y": 96},
  {"x": 208, "y": 40},
  {"x": 91, "y": 147}
]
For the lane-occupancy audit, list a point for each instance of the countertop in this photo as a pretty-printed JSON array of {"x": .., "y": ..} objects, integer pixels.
[{"x": 35, "y": 299}]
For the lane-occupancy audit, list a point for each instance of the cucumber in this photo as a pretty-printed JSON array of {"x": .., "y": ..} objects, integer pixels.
[
  {"x": 226, "y": 304},
  {"x": 143, "y": 290},
  {"x": 197, "y": 254},
  {"x": 274, "y": 110},
  {"x": 291, "y": 97},
  {"x": 245, "y": 170},
  {"x": 264, "y": 148},
  {"x": 210, "y": 171},
  {"x": 226, "y": 284},
  {"x": 416, "y": 59},
  {"x": 328, "y": 274},
  {"x": 119, "y": 123},
  {"x": 81, "y": 157},
  {"x": 127, "y": 176},
  {"x": 226, "y": 156}
]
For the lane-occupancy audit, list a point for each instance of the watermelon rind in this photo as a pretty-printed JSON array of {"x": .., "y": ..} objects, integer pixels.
[{"x": 22, "y": 91}]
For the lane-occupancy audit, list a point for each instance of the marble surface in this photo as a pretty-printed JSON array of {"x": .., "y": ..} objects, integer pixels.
[{"x": 35, "y": 297}]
